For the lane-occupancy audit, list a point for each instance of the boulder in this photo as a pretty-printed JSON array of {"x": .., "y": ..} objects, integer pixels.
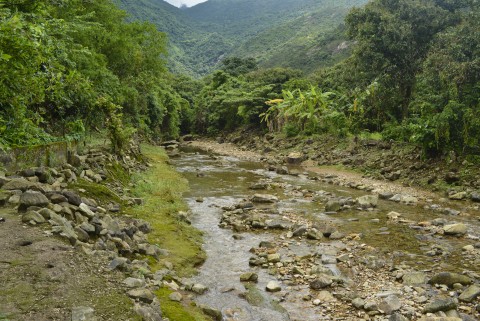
[
  {"x": 175, "y": 296},
  {"x": 31, "y": 198},
  {"x": 33, "y": 217},
  {"x": 134, "y": 283},
  {"x": 414, "y": 278},
  {"x": 440, "y": 305},
  {"x": 470, "y": 294},
  {"x": 85, "y": 209},
  {"x": 249, "y": 277},
  {"x": 273, "y": 286},
  {"x": 390, "y": 304},
  {"x": 367, "y": 201},
  {"x": 458, "y": 196},
  {"x": 73, "y": 198},
  {"x": 199, "y": 288},
  {"x": 18, "y": 184},
  {"x": 321, "y": 282},
  {"x": 455, "y": 229},
  {"x": 57, "y": 198},
  {"x": 294, "y": 158},
  {"x": 475, "y": 197},
  {"x": 264, "y": 198},
  {"x": 333, "y": 206},
  {"x": 211, "y": 312},
  {"x": 142, "y": 295},
  {"x": 450, "y": 279}
]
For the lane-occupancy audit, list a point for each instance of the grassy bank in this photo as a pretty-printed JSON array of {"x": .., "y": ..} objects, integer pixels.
[{"x": 161, "y": 187}]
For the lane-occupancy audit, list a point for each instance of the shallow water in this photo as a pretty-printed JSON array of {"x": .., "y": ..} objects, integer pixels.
[{"x": 217, "y": 181}]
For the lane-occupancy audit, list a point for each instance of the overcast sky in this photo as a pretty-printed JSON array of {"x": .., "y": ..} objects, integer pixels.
[{"x": 189, "y": 3}]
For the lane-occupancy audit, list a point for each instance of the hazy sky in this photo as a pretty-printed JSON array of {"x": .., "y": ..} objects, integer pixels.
[{"x": 189, "y": 3}]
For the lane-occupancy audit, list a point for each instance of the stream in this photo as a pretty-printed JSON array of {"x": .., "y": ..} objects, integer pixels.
[{"x": 369, "y": 243}]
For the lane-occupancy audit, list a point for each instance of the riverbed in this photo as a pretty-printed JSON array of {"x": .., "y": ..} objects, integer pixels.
[{"x": 367, "y": 258}]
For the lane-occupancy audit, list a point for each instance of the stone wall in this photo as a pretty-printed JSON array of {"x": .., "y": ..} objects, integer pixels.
[{"x": 51, "y": 155}]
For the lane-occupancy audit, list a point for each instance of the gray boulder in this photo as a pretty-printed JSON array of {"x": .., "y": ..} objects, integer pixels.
[
  {"x": 264, "y": 198},
  {"x": 449, "y": 279},
  {"x": 440, "y": 305},
  {"x": 31, "y": 198},
  {"x": 472, "y": 292}
]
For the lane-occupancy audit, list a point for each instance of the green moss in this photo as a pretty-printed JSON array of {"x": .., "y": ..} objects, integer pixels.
[
  {"x": 161, "y": 188},
  {"x": 116, "y": 172},
  {"x": 176, "y": 311},
  {"x": 97, "y": 191}
]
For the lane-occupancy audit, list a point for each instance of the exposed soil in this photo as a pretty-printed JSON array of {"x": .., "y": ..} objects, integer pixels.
[{"x": 43, "y": 278}]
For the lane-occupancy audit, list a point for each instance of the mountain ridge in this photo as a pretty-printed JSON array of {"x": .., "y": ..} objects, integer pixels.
[{"x": 202, "y": 35}]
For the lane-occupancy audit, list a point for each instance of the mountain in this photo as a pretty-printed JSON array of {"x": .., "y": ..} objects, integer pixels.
[{"x": 303, "y": 34}]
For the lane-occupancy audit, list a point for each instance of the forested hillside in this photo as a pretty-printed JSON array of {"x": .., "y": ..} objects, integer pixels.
[
  {"x": 72, "y": 65},
  {"x": 201, "y": 36}
]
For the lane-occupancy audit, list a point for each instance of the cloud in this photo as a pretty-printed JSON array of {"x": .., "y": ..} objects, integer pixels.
[{"x": 188, "y": 3}]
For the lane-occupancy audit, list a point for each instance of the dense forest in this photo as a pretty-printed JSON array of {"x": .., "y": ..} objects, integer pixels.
[
  {"x": 411, "y": 72},
  {"x": 303, "y": 34}
]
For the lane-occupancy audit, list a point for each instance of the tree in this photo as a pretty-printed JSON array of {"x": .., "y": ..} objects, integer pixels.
[{"x": 393, "y": 40}]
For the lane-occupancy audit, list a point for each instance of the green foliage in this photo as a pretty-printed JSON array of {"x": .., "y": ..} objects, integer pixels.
[
  {"x": 301, "y": 34},
  {"x": 59, "y": 58},
  {"x": 119, "y": 135}
]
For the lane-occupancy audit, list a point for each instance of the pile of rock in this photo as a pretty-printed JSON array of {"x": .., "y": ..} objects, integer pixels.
[{"x": 42, "y": 197}]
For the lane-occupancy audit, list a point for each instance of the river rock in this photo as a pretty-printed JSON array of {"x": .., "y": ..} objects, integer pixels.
[
  {"x": 333, "y": 206},
  {"x": 322, "y": 281},
  {"x": 455, "y": 229},
  {"x": 325, "y": 296},
  {"x": 431, "y": 318},
  {"x": 393, "y": 216},
  {"x": 264, "y": 198},
  {"x": 390, "y": 304},
  {"x": 273, "y": 258},
  {"x": 273, "y": 286},
  {"x": 358, "y": 303},
  {"x": 175, "y": 296},
  {"x": 470, "y": 293},
  {"x": 33, "y": 217},
  {"x": 397, "y": 317},
  {"x": 118, "y": 263},
  {"x": 211, "y": 312},
  {"x": 450, "y": 279},
  {"x": 17, "y": 184},
  {"x": 81, "y": 234},
  {"x": 83, "y": 314},
  {"x": 367, "y": 201},
  {"x": 134, "y": 282},
  {"x": 148, "y": 312},
  {"x": 475, "y": 197},
  {"x": 141, "y": 294},
  {"x": 249, "y": 277},
  {"x": 414, "y": 278},
  {"x": 458, "y": 196},
  {"x": 73, "y": 198},
  {"x": 294, "y": 158},
  {"x": 440, "y": 305},
  {"x": 199, "y": 288},
  {"x": 32, "y": 198},
  {"x": 85, "y": 209}
]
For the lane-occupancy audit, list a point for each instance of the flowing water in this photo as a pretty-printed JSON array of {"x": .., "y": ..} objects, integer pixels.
[{"x": 221, "y": 181}]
